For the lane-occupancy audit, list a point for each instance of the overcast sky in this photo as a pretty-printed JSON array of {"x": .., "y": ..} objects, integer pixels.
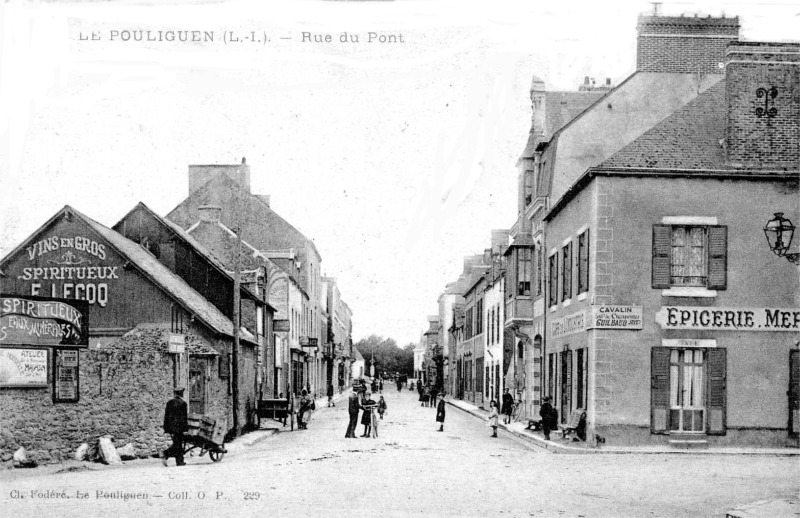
[{"x": 397, "y": 159}]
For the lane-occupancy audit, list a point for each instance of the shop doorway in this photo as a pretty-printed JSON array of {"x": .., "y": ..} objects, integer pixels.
[
  {"x": 197, "y": 385},
  {"x": 566, "y": 385},
  {"x": 686, "y": 376}
]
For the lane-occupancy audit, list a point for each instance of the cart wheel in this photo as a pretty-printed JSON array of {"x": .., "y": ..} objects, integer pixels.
[{"x": 216, "y": 455}]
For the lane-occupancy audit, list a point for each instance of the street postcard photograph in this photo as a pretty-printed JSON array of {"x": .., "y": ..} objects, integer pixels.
[{"x": 400, "y": 258}]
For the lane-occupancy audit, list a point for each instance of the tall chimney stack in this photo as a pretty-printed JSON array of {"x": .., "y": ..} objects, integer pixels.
[{"x": 683, "y": 45}]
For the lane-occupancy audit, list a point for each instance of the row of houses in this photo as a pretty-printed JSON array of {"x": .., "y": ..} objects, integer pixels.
[
  {"x": 636, "y": 284},
  {"x": 153, "y": 301}
]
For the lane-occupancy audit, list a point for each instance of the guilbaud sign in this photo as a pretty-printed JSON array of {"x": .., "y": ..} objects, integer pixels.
[{"x": 729, "y": 319}]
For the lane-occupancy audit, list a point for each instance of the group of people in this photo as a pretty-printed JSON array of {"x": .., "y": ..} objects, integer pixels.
[
  {"x": 361, "y": 400},
  {"x": 427, "y": 394}
]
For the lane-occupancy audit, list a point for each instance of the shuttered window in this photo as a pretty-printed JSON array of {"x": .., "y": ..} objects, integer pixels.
[
  {"x": 659, "y": 389},
  {"x": 717, "y": 380},
  {"x": 553, "y": 287},
  {"x": 685, "y": 255},
  {"x": 583, "y": 262},
  {"x": 566, "y": 272}
]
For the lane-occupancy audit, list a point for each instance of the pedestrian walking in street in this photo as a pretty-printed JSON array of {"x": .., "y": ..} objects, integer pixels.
[
  {"x": 330, "y": 395},
  {"x": 508, "y": 406},
  {"x": 341, "y": 386},
  {"x": 305, "y": 410},
  {"x": 493, "y": 417},
  {"x": 381, "y": 407},
  {"x": 440, "y": 412},
  {"x": 380, "y": 385},
  {"x": 353, "y": 406},
  {"x": 399, "y": 384},
  {"x": 426, "y": 395},
  {"x": 175, "y": 423},
  {"x": 549, "y": 417},
  {"x": 434, "y": 394},
  {"x": 366, "y": 418}
]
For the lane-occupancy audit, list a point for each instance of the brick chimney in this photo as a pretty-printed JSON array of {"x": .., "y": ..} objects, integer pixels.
[
  {"x": 762, "y": 88},
  {"x": 200, "y": 174},
  {"x": 683, "y": 45}
]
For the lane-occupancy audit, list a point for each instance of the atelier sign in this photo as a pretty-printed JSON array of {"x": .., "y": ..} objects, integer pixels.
[
  {"x": 615, "y": 317},
  {"x": 23, "y": 367},
  {"x": 729, "y": 319}
]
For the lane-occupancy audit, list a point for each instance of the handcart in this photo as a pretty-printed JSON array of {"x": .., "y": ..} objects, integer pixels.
[
  {"x": 278, "y": 409},
  {"x": 207, "y": 434}
]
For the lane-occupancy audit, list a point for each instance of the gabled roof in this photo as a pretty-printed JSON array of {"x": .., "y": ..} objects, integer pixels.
[
  {"x": 190, "y": 241},
  {"x": 152, "y": 268},
  {"x": 357, "y": 355}
]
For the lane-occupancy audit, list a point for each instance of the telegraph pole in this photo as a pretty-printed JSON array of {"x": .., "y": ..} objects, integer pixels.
[{"x": 237, "y": 281}]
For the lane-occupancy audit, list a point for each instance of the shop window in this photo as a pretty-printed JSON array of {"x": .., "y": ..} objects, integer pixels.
[
  {"x": 690, "y": 256},
  {"x": 553, "y": 285},
  {"x": 566, "y": 272},
  {"x": 688, "y": 392},
  {"x": 524, "y": 271},
  {"x": 583, "y": 262}
]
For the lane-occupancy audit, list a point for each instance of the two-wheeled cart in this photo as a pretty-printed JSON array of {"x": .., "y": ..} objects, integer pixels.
[{"x": 207, "y": 435}]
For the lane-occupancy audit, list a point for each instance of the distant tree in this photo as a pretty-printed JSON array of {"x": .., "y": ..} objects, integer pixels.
[{"x": 389, "y": 357}]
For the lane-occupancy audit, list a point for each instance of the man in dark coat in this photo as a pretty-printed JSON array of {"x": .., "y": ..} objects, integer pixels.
[
  {"x": 508, "y": 406},
  {"x": 440, "y": 412},
  {"x": 330, "y": 395},
  {"x": 549, "y": 417},
  {"x": 352, "y": 408},
  {"x": 175, "y": 423}
]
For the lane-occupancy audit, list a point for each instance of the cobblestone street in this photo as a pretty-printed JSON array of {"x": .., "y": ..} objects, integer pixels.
[{"x": 407, "y": 470}]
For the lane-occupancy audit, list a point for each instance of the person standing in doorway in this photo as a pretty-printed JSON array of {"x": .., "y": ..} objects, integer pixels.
[
  {"x": 508, "y": 406},
  {"x": 330, "y": 395},
  {"x": 175, "y": 423},
  {"x": 353, "y": 407},
  {"x": 440, "y": 412},
  {"x": 549, "y": 417},
  {"x": 493, "y": 417}
]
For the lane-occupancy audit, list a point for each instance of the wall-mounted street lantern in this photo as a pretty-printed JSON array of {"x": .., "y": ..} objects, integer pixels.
[{"x": 779, "y": 232}]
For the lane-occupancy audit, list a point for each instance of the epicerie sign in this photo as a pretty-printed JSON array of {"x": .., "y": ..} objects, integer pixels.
[
  {"x": 570, "y": 324},
  {"x": 70, "y": 275},
  {"x": 615, "y": 317},
  {"x": 729, "y": 319}
]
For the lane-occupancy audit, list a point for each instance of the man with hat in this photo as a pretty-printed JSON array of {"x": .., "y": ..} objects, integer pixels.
[
  {"x": 175, "y": 423},
  {"x": 549, "y": 417}
]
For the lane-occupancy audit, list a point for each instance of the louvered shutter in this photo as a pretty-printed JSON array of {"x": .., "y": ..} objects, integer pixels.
[
  {"x": 662, "y": 250},
  {"x": 794, "y": 392},
  {"x": 659, "y": 389},
  {"x": 717, "y": 257},
  {"x": 717, "y": 397}
]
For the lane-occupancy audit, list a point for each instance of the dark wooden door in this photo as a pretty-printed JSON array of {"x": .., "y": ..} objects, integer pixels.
[{"x": 197, "y": 385}]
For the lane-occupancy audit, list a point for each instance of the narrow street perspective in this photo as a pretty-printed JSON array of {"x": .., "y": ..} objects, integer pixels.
[{"x": 407, "y": 470}]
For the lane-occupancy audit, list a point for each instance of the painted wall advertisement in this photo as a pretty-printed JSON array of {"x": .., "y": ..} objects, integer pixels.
[
  {"x": 729, "y": 319},
  {"x": 43, "y": 322},
  {"x": 23, "y": 367},
  {"x": 615, "y": 317}
]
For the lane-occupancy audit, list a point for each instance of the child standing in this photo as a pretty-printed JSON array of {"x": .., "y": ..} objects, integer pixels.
[
  {"x": 381, "y": 406},
  {"x": 493, "y": 417}
]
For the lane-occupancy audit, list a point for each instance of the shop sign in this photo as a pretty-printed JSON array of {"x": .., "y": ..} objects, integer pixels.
[
  {"x": 570, "y": 324},
  {"x": 35, "y": 321},
  {"x": 308, "y": 342},
  {"x": 684, "y": 343},
  {"x": 280, "y": 326},
  {"x": 69, "y": 267},
  {"x": 65, "y": 368},
  {"x": 23, "y": 367},
  {"x": 615, "y": 317},
  {"x": 729, "y": 319},
  {"x": 177, "y": 343}
]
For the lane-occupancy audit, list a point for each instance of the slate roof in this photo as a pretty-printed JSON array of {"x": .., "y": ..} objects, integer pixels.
[
  {"x": 687, "y": 139},
  {"x": 163, "y": 277},
  {"x": 194, "y": 243}
]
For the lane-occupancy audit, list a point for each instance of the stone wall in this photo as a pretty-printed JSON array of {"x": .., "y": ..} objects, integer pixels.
[{"x": 124, "y": 386}]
